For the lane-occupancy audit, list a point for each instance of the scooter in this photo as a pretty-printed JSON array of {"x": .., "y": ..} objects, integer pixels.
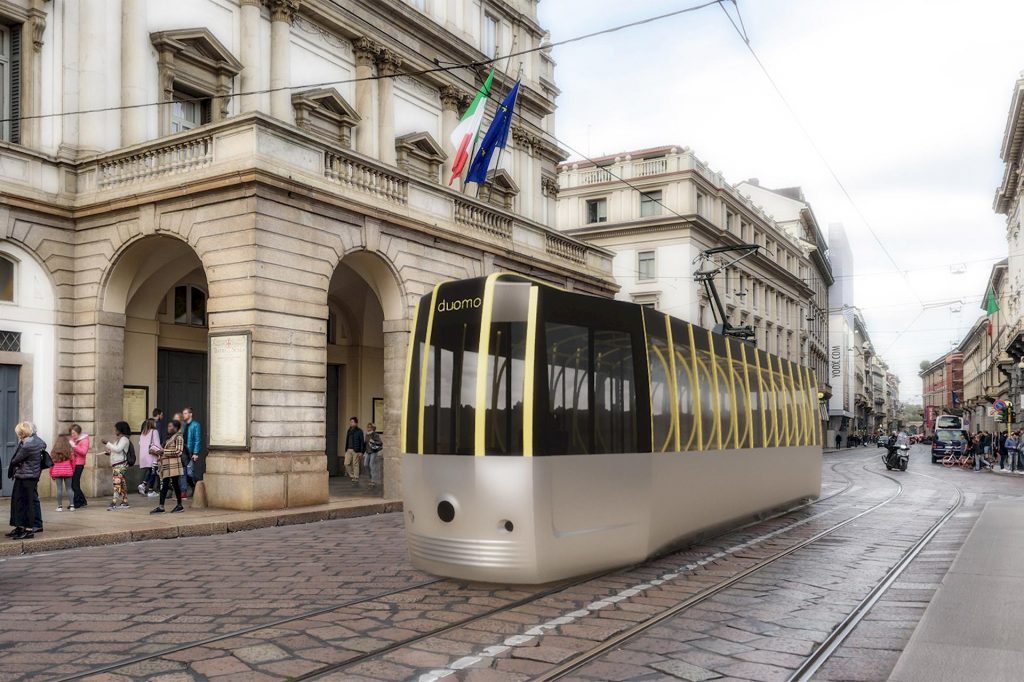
[{"x": 896, "y": 457}]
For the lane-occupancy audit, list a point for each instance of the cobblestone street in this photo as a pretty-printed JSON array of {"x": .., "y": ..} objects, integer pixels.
[{"x": 338, "y": 599}]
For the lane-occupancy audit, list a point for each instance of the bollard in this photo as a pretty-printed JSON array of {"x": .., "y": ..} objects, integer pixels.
[{"x": 199, "y": 496}]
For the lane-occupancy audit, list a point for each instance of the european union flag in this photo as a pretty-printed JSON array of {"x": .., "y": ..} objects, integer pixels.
[{"x": 496, "y": 137}]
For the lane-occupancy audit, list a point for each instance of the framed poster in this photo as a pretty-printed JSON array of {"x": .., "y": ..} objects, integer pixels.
[
  {"x": 378, "y": 414},
  {"x": 230, "y": 379},
  {"x": 135, "y": 406}
]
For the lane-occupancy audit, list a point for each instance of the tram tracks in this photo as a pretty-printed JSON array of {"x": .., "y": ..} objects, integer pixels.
[
  {"x": 826, "y": 648},
  {"x": 383, "y": 651}
]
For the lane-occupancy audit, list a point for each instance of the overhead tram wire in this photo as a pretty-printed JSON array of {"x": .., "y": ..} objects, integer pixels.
[
  {"x": 419, "y": 72},
  {"x": 803, "y": 129}
]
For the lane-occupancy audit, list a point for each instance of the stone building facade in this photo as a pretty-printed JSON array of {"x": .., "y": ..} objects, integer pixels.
[
  {"x": 942, "y": 387},
  {"x": 987, "y": 366},
  {"x": 268, "y": 168},
  {"x": 680, "y": 207}
]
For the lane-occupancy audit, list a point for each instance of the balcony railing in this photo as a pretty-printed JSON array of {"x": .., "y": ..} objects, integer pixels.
[
  {"x": 491, "y": 223},
  {"x": 174, "y": 159},
  {"x": 564, "y": 248},
  {"x": 647, "y": 167},
  {"x": 365, "y": 178},
  {"x": 592, "y": 177},
  {"x": 252, "y": 146}
]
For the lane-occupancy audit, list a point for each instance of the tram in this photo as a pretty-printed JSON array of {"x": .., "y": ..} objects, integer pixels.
[{"x": 551, "y": 434}]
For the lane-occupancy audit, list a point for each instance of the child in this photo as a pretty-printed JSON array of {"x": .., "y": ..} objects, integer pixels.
[{"x": 62, "y": 470}]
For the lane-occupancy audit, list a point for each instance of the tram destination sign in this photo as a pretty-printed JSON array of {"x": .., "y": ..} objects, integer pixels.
[{"x": 229, "y": 390}]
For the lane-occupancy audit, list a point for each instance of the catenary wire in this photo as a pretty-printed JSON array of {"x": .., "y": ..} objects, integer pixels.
[
  {"x": 375, "y": 77},
  {"x": 814, "y": 145}
]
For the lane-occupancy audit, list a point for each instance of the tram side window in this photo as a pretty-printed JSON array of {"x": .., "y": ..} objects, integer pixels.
[
  {"x": 661, "y": 383},
  {"x": 688, "y": 436},
  {"x": 448, "y": 415},
  {"x": 771, "y": 414},
  {"x": 705, "y": 371},
  {"x": 723, "y": 379},
  {"x": 505, "y": 380},
  {"x": 614, "y": 393},
  {"x": 568, "y": 370},
  {"x": 785, "y": 405},
  {"x": 757, "y": 397},
  {"x": 412, "y": 404},
  {"x": 742, "y": 396}
]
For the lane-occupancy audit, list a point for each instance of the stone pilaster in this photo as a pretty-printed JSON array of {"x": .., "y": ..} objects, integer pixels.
[
  {"x": 282, "y": 12},
  {"x": 254, "y": 71},
  {"x": 366, "y": 52},
  {"x": 396, "y": 344},
  {"x": 32, "y": 87},
  {"x": 451, "y": 99},
  {"x": 96, "y": 80},
  {"x": 387, "y": 66},
  {"x": 134, "y": 74}
]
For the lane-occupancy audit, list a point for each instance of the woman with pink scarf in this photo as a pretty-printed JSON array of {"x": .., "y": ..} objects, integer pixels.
[{"x": 79, "y": 450}]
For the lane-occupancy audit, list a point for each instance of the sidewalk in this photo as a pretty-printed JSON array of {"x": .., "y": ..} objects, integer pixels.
[
  {"x": 971, "y": 628},
  {"x": 95, "y": 526}
]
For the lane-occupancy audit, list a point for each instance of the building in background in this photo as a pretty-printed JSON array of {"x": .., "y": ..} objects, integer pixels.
[
  {"x": 942, "y": 386},
  {"x": 682, "y": 208},
  {"x": 1009, "y": 201},
  {"x": 987, "y": 366},
  {"x": 255, "y": 192}
]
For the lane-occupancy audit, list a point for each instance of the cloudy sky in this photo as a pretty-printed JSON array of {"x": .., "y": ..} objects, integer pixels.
[{"x": 907, "y": 100}]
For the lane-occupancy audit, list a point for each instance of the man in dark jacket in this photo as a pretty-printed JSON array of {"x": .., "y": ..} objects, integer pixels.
[
  {"x": 25, "y": 467},
  {"x": 354, "y": 446}
]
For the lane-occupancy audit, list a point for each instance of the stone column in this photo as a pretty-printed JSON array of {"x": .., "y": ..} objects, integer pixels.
[
  {"x": 282, "y": 12},
  {"x": 387, "y": 66},
  {"x": 366, "y": 56},
  {"x": 134, "y": 73},
  {"x": 538, "y": 175},
  {"x": 253, "y": 69},
  {"x": 107, "y": 378},
  {"x": 396, "y": 344},
  {"x": 451, "y": 98},
  {"x": 32, "y": 87}
]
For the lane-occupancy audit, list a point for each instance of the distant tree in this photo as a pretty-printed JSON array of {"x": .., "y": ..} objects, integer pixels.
[
  {"x": 925, "y": 364},
  {"x": 911, "y": 413}
]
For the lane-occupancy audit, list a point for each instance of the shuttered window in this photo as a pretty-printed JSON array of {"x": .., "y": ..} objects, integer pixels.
[{"x": 10, "y": 83}]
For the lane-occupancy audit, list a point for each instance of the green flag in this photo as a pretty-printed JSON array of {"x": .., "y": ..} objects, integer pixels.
[{"x": 991, "y": 306}]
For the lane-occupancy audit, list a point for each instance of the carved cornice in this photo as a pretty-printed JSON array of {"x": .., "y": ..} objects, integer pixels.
[
  {"x": 452, "y": 97},
  {"x": 388, "y": 62},
  {"x": 37, "y": 17},
  {"x": 283, "y": 10},
  {"x": 251, "y": 3},
  {"x": 366, "y": 51}
]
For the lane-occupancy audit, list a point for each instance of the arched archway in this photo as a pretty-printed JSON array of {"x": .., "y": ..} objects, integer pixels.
[
  {"x": 154, "y": 333},
  {"x": 365, "y": 299}
]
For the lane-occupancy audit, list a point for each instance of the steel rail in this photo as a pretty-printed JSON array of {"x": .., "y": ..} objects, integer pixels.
[
  {"x": 614, "y": 642},
  {"x": 839, "y": 634},
  {"x": 110, "y": 667}
]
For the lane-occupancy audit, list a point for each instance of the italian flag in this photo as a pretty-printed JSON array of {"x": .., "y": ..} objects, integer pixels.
[{"x": 466, "y": 133}]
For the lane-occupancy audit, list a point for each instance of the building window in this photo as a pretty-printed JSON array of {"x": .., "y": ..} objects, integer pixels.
[
  {"x": 700, "y": 204},
  {"x": 189, "y": 111},
  {"x": 189, "y": 305},
  {"x": 490, "y": 45},
  {"x": 6, "y": 280},
  {"x": 597, "y": 210},
  {"x": 650, "y": 203},
  {"x": 10, "y": 342},
  {"x": 645, "y": 266},
  {"x": 10, "y": 83},
  {"x": 729, "y": 220},
  {"x": 332, "y": 327}
]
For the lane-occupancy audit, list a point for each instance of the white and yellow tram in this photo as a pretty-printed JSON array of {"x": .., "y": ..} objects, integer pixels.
[{"x": 551, "y": 434}]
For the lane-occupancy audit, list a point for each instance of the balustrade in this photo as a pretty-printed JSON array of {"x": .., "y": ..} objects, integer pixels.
[
  {"x": 491, "y": 223},
  {"x": 361, "y": 176},
  {"x": 647, "y": 167},
  {"x": 564, "y": 248},
  {"x": 172, "y": 159}
]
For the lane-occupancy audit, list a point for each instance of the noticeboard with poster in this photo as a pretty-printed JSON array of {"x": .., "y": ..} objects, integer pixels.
[
  {"x": 135, "y": 406},
  {"x": 229, "y": 390}
]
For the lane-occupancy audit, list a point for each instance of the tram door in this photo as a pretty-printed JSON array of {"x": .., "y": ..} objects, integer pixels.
[{"x": 9, "y": 376}]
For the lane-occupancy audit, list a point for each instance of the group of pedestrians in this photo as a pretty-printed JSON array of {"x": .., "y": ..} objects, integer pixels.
[
  {"x": 171, "y": 455},
  {"x": 363, "y": 450},
  {"x": 991, "y": 449}
]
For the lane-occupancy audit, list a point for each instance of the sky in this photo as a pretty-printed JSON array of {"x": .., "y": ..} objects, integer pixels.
[{"x": 906, "y": 100}]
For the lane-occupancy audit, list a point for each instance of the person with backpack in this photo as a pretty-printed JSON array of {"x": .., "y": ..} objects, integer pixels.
[
  {"x": 122, "y": 456},
  {"x": 62, "y": 470}
]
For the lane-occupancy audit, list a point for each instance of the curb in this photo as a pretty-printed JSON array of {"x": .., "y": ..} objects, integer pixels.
[{"x": 186, "y": 530}]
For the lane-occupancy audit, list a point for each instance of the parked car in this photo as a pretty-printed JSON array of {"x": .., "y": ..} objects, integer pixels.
[{"x": 948, "y": 440}]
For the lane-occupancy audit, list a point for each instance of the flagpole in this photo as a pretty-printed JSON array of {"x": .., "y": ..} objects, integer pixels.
[
  {"x": 508, "y": 63},
  {"x": 501, "y": 150}
]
